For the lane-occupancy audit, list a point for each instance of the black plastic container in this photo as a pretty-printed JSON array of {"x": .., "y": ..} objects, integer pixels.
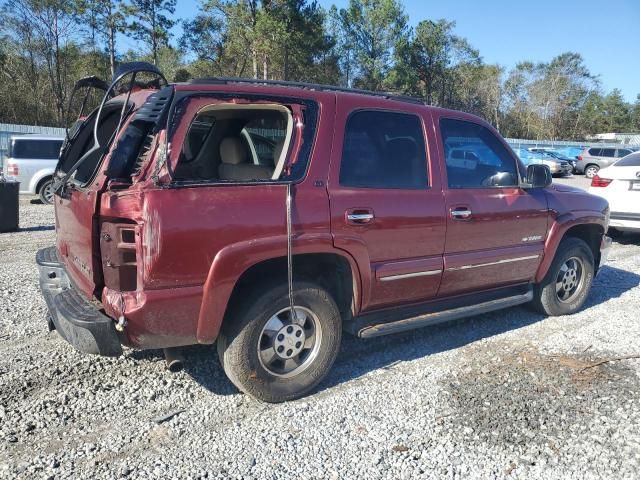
[{"x": 9, "y": 206}]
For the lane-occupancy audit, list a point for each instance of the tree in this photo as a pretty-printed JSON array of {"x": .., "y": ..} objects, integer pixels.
[
  {"x": 105, "y": 19},
  {"x": 372, "y": 29},
  {"x": 44, "y": 30},
  {"x": 151, "y": 23}
]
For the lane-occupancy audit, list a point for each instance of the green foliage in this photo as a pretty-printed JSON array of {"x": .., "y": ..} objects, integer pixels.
[
  {"x": 45, "y": 45},
  {"x": 370, "y": 32},
  {"x": 150, "y": 23}
]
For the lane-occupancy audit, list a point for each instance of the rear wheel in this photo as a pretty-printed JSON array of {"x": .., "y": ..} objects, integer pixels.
[
  {"x": 274, "y": 354},
  {"x": 591, "y": 171},
  {"x": 46, "y": 192},
  {"x": 566, "y": 285}
]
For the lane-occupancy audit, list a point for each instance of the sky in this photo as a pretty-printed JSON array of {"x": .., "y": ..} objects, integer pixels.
[{"x": 605, "y": 33}]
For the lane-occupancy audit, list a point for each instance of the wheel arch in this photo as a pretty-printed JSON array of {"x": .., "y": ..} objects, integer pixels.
[
  {"x": 331, "y": 268},
  {"x": 42, "y": 181},
  {"x": 590, "y": 229}
]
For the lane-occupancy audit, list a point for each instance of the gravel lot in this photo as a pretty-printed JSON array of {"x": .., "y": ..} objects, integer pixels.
[{"x": 503, "y": 395}]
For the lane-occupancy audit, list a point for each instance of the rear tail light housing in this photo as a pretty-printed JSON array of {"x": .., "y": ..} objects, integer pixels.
[
  {"x": 579, "y": 157},
  {"x": 12, "y": 169},
  {"x": 119, "y": 250},
  {"x": 600, "y": 182}
]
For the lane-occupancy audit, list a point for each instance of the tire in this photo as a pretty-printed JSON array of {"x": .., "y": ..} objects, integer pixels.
[
  {"x": 590, "y": 171},
  {"x": 45, "y": 192},
  {"x": 251, "y": 327},
  {"x": 573, "y": 254}
]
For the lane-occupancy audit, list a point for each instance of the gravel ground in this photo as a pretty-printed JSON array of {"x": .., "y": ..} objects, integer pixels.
[{"x": 503, "y": 395}]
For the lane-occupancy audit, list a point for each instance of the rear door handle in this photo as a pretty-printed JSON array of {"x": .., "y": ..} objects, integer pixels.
[
  {"x": 359, "y": 216},
  {"x": 461, "y": 213}
]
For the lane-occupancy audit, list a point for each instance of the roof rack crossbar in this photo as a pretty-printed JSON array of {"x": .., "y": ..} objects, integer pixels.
[{"x": 305, "y": 85}]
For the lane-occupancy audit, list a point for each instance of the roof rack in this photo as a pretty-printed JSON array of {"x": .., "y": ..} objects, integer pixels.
[{"x": 304, "y": 85}]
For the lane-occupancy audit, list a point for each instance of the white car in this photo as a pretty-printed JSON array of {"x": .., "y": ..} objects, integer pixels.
[
  {"x": 32, "y": 160},
  {"x": 620, "y": 185}
]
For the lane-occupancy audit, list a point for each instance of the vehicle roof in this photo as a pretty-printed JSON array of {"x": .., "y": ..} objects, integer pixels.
[
  {"x": 308, "y": 90},
  {"x": 35, "y": 136}
]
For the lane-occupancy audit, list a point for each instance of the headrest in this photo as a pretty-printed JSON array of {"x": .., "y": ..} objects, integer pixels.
[{"x": 232, "y": 151}]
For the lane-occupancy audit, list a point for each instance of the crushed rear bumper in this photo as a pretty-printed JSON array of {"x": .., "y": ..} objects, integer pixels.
[{"x": 77, "y": 320}]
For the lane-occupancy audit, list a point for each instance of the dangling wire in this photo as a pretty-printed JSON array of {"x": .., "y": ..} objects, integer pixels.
[{"x": 289, "y": 253}]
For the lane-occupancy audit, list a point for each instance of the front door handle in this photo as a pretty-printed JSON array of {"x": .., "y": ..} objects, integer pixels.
[
  {"x": 461, "y": 213},
  {"x": 359, "y": 216}
]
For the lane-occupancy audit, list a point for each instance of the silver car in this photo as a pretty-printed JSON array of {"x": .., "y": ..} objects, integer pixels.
[
  {"x": 32, "y": 160},
  {"x": 593, "y": 159}
]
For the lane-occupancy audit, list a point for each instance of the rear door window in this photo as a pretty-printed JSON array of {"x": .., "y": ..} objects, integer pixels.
[
  {"x": 475, "y": 157},
  {"x": 622, "y": 152},
  {"x": 596, "y": 152},
  {"x": 384, "y": 150},
  {"x": 36, "y": 149},
  {"x": 608, "y": 152}
]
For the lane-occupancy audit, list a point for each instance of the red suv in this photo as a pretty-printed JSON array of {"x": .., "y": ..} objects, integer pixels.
[{"x": 269, "y": 217}]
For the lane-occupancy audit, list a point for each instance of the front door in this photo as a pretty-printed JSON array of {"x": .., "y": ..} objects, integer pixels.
[
  {"x": 495, "y": 229},
  {"x": 387, "y": 208}
]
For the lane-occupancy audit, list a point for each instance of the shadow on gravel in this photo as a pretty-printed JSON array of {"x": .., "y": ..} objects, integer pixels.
[
  {"x": 629, "y": 238},
  {"x": 358, "y": 357},
  {"x": 200, "y": 362}
]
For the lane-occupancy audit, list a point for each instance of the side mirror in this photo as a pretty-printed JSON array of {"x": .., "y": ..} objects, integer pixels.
[{"x": 538, "y": 176}]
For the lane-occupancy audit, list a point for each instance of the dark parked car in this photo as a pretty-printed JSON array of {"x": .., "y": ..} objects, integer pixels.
[{"x": 372, "y": 214}]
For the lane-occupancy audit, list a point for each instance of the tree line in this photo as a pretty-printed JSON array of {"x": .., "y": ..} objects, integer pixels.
[{"x": 45, "y": 45}]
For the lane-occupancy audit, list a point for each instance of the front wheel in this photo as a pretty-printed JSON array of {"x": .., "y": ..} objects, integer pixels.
[
  {"x": 275, "y": 354},
  {"x": 564, "y": 288}
]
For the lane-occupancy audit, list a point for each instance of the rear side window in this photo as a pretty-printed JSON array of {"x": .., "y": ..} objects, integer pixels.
[
  {"x": 623, "y": 152},
  {"x": 629, "y": 161},
  {"x": 475, "y": 157},
  {"x": 384, "y": 150},
  {"x": 608, "y": 152},
  {"x": 596, "y": 152},
  {"x": 36, "y": 149}
]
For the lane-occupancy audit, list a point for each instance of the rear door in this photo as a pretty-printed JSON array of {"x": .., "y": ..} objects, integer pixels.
[
  {"x": 495, "y": 229},
  {"x": 76, "y": 207},
  {"x": 386, "y": 201}
]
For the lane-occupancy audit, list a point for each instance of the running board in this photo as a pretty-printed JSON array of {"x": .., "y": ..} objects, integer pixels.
[{"x": 434, "y": 318}]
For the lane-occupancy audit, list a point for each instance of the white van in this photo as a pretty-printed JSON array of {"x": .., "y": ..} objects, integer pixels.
[{"x": 32, "y": 160}]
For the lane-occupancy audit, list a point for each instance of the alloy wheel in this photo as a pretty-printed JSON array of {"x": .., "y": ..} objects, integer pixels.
[
  {"x": 570, "y": 279},
  {"x": 289, "y": 343}
]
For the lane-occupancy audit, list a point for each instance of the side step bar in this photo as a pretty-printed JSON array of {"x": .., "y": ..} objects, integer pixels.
[{"x": 427, "y": 319}]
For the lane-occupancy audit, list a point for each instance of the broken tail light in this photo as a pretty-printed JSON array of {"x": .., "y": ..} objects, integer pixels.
[
  {"x": 600, "y": 182},
  {"x": 119, "y": 251}
]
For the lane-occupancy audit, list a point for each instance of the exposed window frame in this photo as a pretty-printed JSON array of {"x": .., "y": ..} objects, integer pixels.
[
  {"x": 279, "y": 164},
  {"x": 304, "y": 155}
]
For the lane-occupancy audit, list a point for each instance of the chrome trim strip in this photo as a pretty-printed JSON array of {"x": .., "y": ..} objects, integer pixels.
[
  {"x": 425, "y": 273},
  {"x": 499, "y": 262}
]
